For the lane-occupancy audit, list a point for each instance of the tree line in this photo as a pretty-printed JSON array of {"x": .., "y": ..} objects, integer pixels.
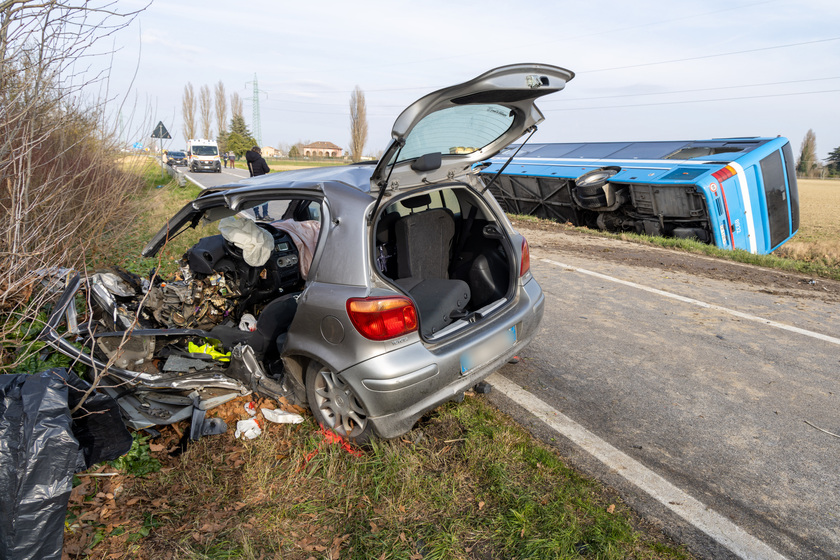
[
  {"x": 809, "y": 166},
  {"x": 198, "y": 115}
]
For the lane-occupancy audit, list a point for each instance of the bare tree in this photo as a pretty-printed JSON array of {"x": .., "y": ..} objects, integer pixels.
[
  {"x": 188, "y": 111},
  {"x": 358, "y": 124},
  {"x": 205, "y": 102},
  {"x": 808, "y": 165},
  {"x": 63, "y": 191},
  {"x": 236, "y": 107},
  {"x": 221, "y": 108}
]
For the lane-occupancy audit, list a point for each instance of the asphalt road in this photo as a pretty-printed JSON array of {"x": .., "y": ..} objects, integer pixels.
[
  {"x": 206, "y": 179},
  {"x": 714, "y": 400}
]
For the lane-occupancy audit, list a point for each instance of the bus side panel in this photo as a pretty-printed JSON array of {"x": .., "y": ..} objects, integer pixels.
[
  {"x": 765, "y": 176},
  {"x": 759, "y": 211},
  {"x": 776, "y": 194},
  {"x": 732, "y": 194},
  {"x": 717, "y": 213},
  {"x": 793, "y": 187}
]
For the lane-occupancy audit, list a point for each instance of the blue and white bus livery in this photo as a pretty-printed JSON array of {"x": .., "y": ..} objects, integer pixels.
[{"x": 735, "y": 193}]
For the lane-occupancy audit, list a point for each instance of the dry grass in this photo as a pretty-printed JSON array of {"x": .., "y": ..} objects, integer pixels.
[
  {"x": 466, "y": 484},
  {"x": 818, "y": 239}
]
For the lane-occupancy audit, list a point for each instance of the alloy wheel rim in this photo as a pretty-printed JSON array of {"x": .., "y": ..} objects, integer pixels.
[{"x": 339, "y": 405}]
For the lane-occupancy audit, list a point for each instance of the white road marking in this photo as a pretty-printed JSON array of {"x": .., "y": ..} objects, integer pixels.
[
  {"x": 693, "y": 511},
  {"x": 195, "y": 181},
  {"x": 699, "y": 303},
  {"x": 226, "y": 172}
]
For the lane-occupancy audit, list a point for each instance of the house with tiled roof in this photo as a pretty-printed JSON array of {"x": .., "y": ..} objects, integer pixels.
[{"x": 322, "y": 149}]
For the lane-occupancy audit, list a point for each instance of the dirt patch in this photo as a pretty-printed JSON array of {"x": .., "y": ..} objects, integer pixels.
[{"x": 559, "y": 238}]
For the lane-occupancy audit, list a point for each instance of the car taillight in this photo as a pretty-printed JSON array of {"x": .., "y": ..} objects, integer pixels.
[
  {"x": 525, "y": 264},
  {"x": 724, "y": 174},
  {"x": 381, "y": 318}
]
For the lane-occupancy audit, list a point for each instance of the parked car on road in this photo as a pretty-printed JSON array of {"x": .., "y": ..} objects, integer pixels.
[
  {"x": 176, "y": 158},
  {"x": 381, "y": 291}
]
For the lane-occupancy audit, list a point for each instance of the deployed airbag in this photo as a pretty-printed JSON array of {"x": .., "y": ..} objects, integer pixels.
[{"x": 255, "y": 242}]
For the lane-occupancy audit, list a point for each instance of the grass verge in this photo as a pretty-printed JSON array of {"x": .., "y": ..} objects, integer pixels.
[
  {"x": 158, "y": 202},
  {"x": 467, "y": 482},
  {"x": 810, "y": 267}
]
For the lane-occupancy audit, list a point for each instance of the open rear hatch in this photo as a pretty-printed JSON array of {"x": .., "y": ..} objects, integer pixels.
[{"x": 446, "y": 248}]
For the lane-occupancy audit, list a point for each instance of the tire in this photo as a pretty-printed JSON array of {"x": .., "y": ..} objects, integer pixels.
[
  {"x": 597, "y": 190},
  {"x": 596, "y": 178},
  {"x": 335, "y": 406},
  {"x": 596, "y": 201}
]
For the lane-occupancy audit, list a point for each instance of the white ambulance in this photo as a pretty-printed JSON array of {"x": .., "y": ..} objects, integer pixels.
[{"x": 203, "y": 155}]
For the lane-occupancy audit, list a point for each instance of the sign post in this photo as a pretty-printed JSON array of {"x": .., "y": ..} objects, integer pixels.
[{"x": 160, "y": 132}]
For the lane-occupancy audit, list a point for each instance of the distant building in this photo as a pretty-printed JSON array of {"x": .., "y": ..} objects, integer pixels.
[
  {"x": 271, "y": 151},
  {"x": 322, "y": 149}
]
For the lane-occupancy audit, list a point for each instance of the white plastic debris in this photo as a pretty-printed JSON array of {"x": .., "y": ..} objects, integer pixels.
[
  {"x": 251, "y": 408},
  {"x": 281, "y": 416},
  {"x": 248, "y": 429},
  {"x": 248, "y": 323}
]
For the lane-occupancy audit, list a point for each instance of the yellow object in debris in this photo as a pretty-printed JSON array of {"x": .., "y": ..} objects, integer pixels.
[{"x": 208, "y": 349}]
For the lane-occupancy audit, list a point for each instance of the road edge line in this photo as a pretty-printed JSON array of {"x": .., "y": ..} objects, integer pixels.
[
  {"x": 693, "y": 511},
  {"x": 193, "y": 181},
  {"x": 739, "y": 314}
]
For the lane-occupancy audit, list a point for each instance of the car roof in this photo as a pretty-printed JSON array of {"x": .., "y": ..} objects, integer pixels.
[{"x": 357, "y": 176}]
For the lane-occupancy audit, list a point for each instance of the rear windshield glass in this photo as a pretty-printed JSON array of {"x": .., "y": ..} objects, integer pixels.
[{"x": 457, "y": 130}]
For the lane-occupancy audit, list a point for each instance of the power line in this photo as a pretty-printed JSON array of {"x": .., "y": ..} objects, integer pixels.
[
  {"x": 691, "y": 101},
  {"x": 565, "y": 99},
  {"x": 710, "y": 56},
  {"x": 774, "y": 47}
]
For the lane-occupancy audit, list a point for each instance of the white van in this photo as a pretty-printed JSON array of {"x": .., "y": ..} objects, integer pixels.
[{"x": 203, "y": 155}]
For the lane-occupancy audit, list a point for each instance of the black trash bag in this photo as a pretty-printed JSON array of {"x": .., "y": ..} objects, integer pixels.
[
  {"x": 98, "y": 425},
  {"x": 41, "y": 447}
]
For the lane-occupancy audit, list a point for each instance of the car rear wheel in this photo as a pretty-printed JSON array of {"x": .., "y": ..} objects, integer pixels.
[{"x": 335, "y": 406}]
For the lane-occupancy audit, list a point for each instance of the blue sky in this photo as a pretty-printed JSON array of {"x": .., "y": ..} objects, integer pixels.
[{"x": 646, "y": 70}]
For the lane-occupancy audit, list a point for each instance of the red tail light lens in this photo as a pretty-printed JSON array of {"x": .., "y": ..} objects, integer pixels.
[
  {"x": 724, "y": 174},
  {"x": 525, "y": 265},
  {"x": 381, "y": 318}
]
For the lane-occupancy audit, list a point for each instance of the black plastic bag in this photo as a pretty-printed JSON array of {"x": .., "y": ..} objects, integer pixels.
[{"x": 41, "y": 447}]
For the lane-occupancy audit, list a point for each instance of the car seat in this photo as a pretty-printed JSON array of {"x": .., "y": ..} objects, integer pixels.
[
  {"x": 424, "y": 246},
  {"x": 272, "y": 326}
]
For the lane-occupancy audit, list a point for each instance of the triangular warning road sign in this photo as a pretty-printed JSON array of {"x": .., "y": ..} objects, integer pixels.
[{"x": 160, "y": 131}]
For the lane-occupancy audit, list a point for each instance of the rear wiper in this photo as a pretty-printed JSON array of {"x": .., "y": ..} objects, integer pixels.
[{"x": 533, "y": 129}]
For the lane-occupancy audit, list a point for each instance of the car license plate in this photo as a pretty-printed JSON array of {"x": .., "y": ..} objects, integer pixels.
[{"x": 497, "y": 344}]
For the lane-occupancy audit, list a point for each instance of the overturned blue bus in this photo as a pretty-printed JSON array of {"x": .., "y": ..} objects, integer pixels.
[{"x": 736, "y": 193}]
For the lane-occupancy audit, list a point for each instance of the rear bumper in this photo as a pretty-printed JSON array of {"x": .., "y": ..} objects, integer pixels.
[{"x": 389, "y": 384}]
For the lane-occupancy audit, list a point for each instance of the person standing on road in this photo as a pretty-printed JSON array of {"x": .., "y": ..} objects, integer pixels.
[
  {"x": 256, "y": 167},
  {"x": 224, "y": 159},
  {"x": 232, "y": 158}
]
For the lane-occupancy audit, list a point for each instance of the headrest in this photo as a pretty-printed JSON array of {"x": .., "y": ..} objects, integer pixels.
[{"x": 417, "y": 201}]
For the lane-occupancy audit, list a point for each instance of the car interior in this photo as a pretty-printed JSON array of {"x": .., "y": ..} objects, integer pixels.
[{"x": 451, "y": 264}]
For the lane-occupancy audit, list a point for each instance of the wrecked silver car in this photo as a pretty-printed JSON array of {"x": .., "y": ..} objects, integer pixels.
[{"x": 380, "y": 292}]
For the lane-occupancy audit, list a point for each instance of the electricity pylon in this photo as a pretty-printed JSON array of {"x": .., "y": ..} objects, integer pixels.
[{"x": 255, "y": 115}]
